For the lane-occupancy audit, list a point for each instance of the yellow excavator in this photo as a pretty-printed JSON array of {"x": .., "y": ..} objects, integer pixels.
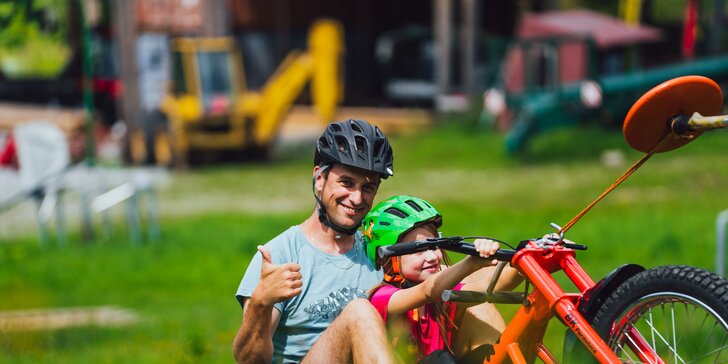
[{"x": 209, "y": 107}]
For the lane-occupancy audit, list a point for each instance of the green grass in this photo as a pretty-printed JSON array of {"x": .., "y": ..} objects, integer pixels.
[{"x": 183, "y": 285}]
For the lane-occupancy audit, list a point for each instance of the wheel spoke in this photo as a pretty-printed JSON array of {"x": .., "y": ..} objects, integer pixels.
[
  {"x": 626, "y": 353},
  {"x": 688, "y": 319},
  {"x": 674, "y": 333},
  {"x": 723, "y": 344},
  {"x": 652, "y": 332},
  {"x": 635, "y": 344},
  {"x": 686, "y": 322},
  {"x": 710, "y": 333},
  {"x": 664, "y": 341},
  {"x": 665, "y": 321},
  {"x": 718, "y": 350}
]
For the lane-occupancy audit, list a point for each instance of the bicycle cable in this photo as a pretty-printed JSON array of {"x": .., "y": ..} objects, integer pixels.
[
  {"x": 489, "y": 238},
  {"x": 619, "y": 180}
]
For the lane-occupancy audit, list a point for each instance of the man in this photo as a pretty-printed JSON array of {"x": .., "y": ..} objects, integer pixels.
[{"x": 304, "y": 294}]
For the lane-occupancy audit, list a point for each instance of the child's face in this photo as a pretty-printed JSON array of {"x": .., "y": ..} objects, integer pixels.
[{"x": 419, "y": 266}]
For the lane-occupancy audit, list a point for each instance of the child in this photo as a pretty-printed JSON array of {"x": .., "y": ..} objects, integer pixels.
[{"x": 413, "y": 283}]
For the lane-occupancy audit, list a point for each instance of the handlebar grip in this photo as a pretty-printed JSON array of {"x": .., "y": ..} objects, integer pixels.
[
  {"x": 501, "y": 255},
  {"x": 399, "y": 249},
  {"x": 463, "y": 296}
]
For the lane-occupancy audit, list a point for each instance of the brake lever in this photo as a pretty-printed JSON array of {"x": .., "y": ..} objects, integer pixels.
[
  {"x": 575, "y": 246},
  {"x": 547, "y": 242}
]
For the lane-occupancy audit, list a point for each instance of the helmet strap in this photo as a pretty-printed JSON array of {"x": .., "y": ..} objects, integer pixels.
[
  {"x": 396, "y": 275},
  {"x": 323, "y": 215}
]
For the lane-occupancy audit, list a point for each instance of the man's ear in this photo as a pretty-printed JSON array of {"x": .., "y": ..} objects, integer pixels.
[{"x": 320, "y": 176}]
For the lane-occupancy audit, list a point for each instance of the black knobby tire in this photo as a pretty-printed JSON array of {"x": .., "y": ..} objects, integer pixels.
[{"x": 680, "y": 311}]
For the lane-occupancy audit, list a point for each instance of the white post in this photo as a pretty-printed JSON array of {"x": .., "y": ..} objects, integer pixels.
[
  {"x": 468, "y": 36},
  {"x": 720, "y": 242},
  {"x": 443, "y": 25}
]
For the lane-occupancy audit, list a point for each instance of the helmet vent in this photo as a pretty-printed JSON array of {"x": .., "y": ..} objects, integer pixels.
[
  {"x": 356, "y": 127},
  {"x": 323, "y": 143},
  {"x": 378, "y": 147},
  {"x": 397, "y": 212},
  {"x": 355, "y": 143},
  {"x": 385, "y": 223},
  {"x": 361, "y": 145},
  {"x": 414, "y": 205},
  {"x": 341, "y": 144}
]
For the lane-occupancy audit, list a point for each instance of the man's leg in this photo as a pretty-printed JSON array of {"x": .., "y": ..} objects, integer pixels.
[{"x": 357, "y": 335}]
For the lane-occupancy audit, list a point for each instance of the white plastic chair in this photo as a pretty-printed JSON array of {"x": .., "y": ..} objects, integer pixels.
[{"x": 43, "y": 157}]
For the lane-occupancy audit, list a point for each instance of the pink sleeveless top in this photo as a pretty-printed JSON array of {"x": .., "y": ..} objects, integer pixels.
[{"x": 423, "y": 327}]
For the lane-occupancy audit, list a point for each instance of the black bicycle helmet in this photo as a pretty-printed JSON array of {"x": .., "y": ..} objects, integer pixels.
[{"x": 355, "y": 143}]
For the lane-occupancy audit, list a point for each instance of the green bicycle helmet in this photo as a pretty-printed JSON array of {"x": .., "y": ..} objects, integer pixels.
[{"x": 392, "y": 218}]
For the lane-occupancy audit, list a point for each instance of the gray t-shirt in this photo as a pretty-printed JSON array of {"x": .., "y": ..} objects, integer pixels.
[{"x": 329, "y": 283}]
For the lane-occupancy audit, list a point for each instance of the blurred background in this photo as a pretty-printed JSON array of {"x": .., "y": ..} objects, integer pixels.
[{"x": 147, "y": 146}]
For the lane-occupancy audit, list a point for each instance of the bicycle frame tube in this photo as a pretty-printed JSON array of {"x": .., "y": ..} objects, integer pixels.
[
  {"x": 528, "y": 326},
  {"x": 583, "y": 282}
]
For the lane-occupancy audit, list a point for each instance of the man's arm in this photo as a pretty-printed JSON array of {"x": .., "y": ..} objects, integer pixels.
[
  {"x": 278, "y": 282},
  {"x": 254, "y": 341}
]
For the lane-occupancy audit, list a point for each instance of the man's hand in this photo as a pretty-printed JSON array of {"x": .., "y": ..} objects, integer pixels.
[{"x": 278, "y": 282}]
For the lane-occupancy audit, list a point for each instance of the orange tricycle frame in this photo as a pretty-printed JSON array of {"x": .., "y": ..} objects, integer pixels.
[{"x": 521, "y": 341}]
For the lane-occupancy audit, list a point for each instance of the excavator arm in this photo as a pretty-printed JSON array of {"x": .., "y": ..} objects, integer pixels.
[
  {"x": 321, "y": 65},
  {"x": 202, "y": 100}
]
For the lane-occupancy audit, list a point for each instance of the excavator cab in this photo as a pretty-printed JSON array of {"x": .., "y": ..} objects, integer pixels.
[
  {"x": 217, "y": 81},
  {"x": 207, "y": 82},
  {"x": 209, "y": 107}
]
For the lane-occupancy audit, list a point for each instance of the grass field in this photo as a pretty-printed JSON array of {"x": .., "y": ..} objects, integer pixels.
[{"x": 182, "y": 286}]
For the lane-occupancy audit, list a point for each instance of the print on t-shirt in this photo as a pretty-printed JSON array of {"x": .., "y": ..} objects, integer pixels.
[{"x": 330, "y": 307}]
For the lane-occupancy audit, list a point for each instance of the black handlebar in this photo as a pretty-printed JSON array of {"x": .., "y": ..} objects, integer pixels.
[
  {"x": 454, "y": 243},
  {"x": 459, "y": 245}
]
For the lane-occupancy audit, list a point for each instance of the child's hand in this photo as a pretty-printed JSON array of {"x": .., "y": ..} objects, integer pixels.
[{"x": 486, "y": 248}]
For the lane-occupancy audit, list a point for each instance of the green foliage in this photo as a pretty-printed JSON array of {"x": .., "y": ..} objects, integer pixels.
[
  {"x": 183, "y": 285},
  {"x": 34, "y": 38}
]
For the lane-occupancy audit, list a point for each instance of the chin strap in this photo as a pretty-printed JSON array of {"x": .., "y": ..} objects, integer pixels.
[
  {"x": 322, "y": 215},
  {"x": 393, "y": 274}
]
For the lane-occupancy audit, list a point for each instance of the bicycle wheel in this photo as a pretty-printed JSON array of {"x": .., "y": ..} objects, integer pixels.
[{"x": 679, "y": 311}]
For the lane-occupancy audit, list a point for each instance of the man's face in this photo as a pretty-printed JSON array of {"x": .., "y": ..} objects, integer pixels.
[{"x": 347, "y": 193}]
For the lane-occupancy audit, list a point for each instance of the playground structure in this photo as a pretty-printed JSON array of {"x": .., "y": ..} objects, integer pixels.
[
  {"x": 209, "y": 107},
  {"x": 577, "y": 65}
]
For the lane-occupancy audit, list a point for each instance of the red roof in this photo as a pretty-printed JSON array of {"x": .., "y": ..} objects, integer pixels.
[{"x": 607, "y": 31}]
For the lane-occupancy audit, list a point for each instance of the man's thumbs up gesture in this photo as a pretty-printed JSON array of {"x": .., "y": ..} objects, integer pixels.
[{"x": 278, "y": 282}]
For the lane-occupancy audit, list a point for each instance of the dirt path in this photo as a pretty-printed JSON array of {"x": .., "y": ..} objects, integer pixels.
[{"x": 51, "y": 319}]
